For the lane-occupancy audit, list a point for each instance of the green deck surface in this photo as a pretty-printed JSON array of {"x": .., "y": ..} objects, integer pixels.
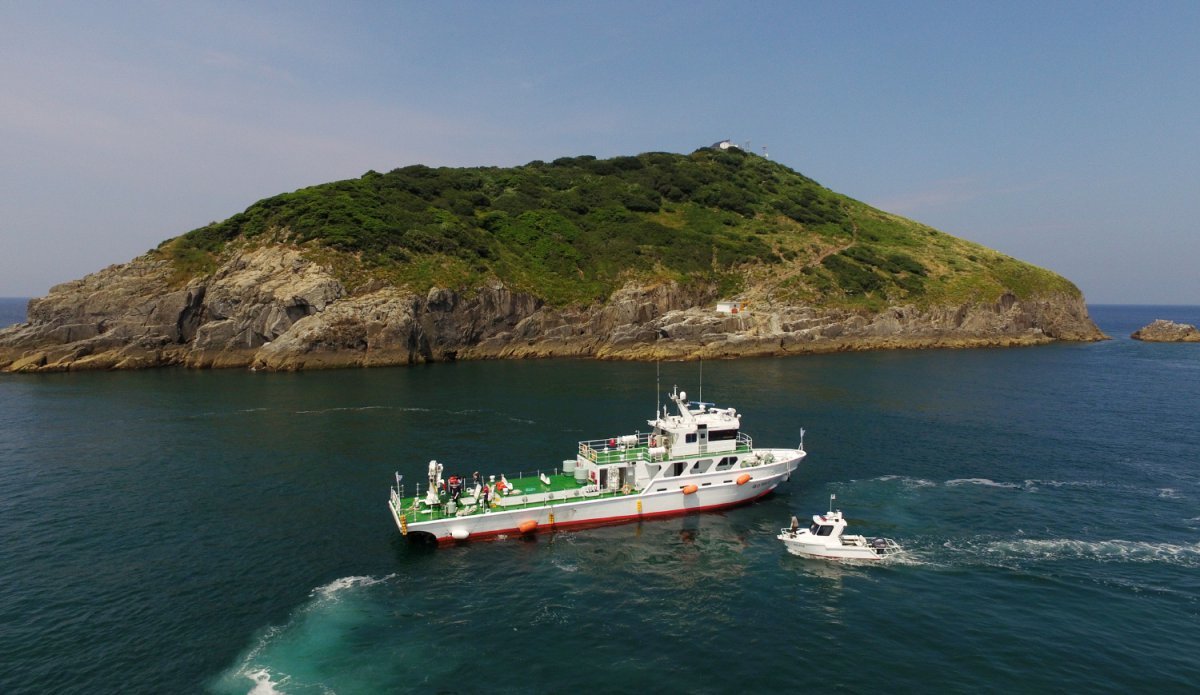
[{"x": 530, "y": 485}]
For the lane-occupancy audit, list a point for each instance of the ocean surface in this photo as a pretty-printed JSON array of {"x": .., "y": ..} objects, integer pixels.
[
  {"x": 12, "y": 310},
  {"x": 176, "y": 531}
]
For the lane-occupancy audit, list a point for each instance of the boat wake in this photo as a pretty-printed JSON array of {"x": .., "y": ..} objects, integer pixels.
[
  {"x": 332, "y": 590},
  {"x": 360, "y": 408},
  {"x": 293, "y": 657},
  {"x": 906, "y": 481},
  {"x": 985, "y": 482},
  {"x": 1027, "y": 485},
  {"x": 1007, "y": 552}
]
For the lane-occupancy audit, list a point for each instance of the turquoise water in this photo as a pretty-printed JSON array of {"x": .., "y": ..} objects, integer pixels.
[{"x": 177, "y": 531}]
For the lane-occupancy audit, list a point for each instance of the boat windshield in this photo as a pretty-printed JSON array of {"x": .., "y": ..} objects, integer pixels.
[{"x": 820, "y": 530}]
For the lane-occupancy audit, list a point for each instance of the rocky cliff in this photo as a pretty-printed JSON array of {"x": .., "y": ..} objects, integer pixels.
[{"x": 272, "y": 307}]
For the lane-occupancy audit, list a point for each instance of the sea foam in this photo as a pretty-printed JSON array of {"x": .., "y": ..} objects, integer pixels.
[
  {"x": 1098, "y": 551},
  {"x": 986, "y": 482}
]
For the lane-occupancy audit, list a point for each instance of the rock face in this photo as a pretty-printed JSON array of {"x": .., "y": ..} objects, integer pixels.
[
  {"x": 1163, "y": 331},
  {"x": 271, "y": 308}
]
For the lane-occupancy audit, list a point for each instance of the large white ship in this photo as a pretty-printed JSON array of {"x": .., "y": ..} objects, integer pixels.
[{"x": 693, "y": 461}]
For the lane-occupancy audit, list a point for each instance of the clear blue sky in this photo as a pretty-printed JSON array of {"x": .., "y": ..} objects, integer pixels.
[{"x": 1066, "y": 134}]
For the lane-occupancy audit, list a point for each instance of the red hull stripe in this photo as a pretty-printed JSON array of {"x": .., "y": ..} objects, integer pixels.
[{"x": 593, "y": 523}]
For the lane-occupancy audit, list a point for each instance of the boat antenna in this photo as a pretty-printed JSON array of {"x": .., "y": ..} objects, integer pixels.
[
  {"x": 702, "y": 380},
  {"x": 831, "y": 499},
  {"x": 657, "y": 388}
]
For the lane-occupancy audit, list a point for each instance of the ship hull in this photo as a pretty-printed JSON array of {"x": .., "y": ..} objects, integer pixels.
[{"x": 825, "y": 553}]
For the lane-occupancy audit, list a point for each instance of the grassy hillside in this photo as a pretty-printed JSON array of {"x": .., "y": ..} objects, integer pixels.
[{"x": 574, "y": 229}]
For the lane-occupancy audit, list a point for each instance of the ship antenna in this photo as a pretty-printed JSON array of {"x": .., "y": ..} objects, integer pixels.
[
  {"x": 831, "y": 499},
  {"x": 701, "y": 379},
  {"x": 657, "y": 388}
]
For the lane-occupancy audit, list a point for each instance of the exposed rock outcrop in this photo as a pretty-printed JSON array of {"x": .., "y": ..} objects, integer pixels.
[
  {"x": 1163, "y": 331},
  {"x": 272, "y": 308}
]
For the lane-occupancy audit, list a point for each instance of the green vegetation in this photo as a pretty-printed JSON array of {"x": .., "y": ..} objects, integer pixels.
[{"x": 572, "y": 230}]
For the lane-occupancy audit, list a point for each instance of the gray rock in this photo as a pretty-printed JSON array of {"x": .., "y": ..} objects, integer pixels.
[{"x": 1163, "y": 331}]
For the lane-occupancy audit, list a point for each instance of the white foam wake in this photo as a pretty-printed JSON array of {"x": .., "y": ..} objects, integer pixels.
[
  {"x": 986, "y": 482},
  {"x": 353, "y": 409},
  {"x": 907, "y": 481},
  {"x": 1099, "y": 551},
  {"x": 331, "y": 590},
  {"x": 263, "y": 685},
  {"x": 281, "y": 657}
]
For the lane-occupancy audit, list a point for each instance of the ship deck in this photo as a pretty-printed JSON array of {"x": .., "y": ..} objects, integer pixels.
[{"x": 527, "y": 491}]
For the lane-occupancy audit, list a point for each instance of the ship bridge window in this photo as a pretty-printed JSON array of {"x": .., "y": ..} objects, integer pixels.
[
  {"x": 690, "y": 438},
  {"x": 722, "y": 435},
  {"x": 726, "y": 463},
  {"x": 824, "y": 530}
]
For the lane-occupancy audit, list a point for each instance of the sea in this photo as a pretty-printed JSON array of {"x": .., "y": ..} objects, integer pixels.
[{"x": 173, "y": 531}]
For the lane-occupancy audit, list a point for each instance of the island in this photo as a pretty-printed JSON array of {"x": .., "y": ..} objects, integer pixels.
[
  {"x": 1164, "y": 331},
  {"x": 719, "y": 253}
]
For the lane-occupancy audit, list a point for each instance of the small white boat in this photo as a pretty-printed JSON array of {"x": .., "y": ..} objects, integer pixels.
[{"x": 825, "y": 539}]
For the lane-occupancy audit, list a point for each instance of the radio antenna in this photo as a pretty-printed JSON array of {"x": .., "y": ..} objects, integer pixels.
[{"x": 657, "y": 388}]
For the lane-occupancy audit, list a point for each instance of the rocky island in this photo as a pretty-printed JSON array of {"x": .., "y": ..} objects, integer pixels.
[
  {"x": 715, "y": 254},
  {"x": 1163, "y": 331}
]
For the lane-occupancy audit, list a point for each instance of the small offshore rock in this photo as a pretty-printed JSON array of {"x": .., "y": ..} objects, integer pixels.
[{"x": 1163, "y": 331}]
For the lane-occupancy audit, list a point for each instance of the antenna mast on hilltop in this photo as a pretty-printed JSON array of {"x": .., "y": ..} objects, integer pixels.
[{"x": 765, "y": 155}]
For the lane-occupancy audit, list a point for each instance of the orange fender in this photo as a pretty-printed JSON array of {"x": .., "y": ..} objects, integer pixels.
[
  {"x": 744, "y": 478},
  {"x": 527, "y": 526},
  {"x": 689, "y": 489}
]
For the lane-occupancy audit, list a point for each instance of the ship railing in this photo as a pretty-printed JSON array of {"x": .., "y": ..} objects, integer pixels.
[
  {"x": 629, "y": 447},
  {"x": 423, "y": 512}
]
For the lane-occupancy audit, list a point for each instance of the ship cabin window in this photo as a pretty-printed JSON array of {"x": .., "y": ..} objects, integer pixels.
[
  {"x": 652, "y": 469},
  {"x": 690, "y": 438},
  {"x": 677, "y": 468},
  {"x": 726, "y": 463},
  {"x": 701, "y": 465},
  {"x": 820, "y": 530},
  {"x": 722, "y": 435}
]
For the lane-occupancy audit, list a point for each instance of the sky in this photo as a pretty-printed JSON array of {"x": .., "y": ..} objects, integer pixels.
[{"x": 1066, "y": 134}]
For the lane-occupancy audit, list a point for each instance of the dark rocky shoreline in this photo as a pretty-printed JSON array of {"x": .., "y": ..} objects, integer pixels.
[{"x": 270, "y": 308}]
